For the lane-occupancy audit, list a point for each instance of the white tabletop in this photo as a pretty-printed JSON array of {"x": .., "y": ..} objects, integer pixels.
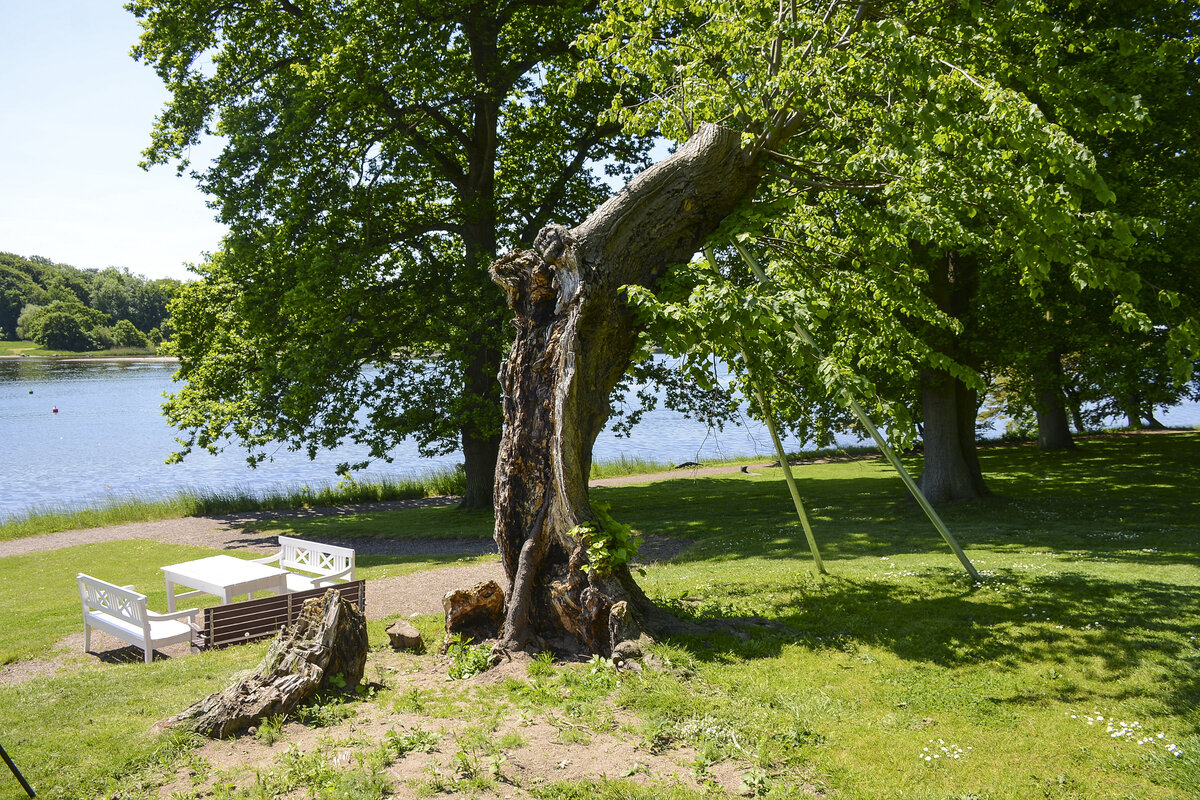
[
  {"x": 223, "y": 576},
  {"x": 223, "y": 570}
]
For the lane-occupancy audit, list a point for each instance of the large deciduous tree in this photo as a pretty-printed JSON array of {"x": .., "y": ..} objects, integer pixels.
[
  {"x": 375, "y": 157},
  {"x": 870, "y": 140}
]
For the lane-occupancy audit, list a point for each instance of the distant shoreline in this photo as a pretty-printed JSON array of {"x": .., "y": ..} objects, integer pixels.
[{"x": 77, "y": 358}]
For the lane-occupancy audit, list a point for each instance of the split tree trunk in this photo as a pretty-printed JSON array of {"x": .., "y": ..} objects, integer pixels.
[
  {"x": 326, "y": 647},
  {"x": 575, "y": 337}
]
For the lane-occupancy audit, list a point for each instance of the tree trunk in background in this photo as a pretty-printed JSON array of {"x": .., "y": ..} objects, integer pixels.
[
  {"x": 480, "y": 447},
  {"x": 1075, "y": 406},
  {"x": 1054, "y": 431},
  {"x": 951, "y": 470},
  {"x": 575, "y": 336}
]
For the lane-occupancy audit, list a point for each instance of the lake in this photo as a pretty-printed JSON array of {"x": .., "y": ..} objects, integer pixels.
[{"x": 109, "y": 440}]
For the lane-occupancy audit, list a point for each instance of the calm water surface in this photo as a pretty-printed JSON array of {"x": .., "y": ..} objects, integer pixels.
[{"x": 109, "y": 440}]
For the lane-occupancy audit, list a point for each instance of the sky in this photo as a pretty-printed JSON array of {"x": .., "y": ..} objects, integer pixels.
[{"x": 75, "y": 114}]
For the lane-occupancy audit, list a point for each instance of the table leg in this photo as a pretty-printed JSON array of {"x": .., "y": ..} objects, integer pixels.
[{"x": 170, "y": 596}]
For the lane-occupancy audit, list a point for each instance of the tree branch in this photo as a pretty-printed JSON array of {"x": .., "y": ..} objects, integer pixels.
[
  {"x": 582, "y": 146},
  {"x": 449, "y": 168}
]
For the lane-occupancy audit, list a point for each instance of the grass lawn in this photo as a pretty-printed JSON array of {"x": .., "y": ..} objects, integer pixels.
[
  {"x": 22, "y": 348},
  {"x": 1071, "y": 671}
]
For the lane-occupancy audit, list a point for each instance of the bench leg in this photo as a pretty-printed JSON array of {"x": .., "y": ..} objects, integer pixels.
[
  {"x": 149, "y": 654},
  {"x": 87, "y": 637}
]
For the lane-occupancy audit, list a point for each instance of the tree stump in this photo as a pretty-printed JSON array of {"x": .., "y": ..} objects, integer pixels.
[
  {"x": 476, "y": 613},
  {"x": 327, "y": 641}
]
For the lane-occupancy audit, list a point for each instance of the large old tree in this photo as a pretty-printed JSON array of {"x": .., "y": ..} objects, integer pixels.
[
  {"x": 374, "y": 158},
  {"x": 575, "y": 337},
  {"x": 805, "y": 128}
]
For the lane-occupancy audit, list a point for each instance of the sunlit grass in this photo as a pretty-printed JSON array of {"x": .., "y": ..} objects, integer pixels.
[
  {"x": 33, "y": 349},
  {"x": 1072, "y": 671}
]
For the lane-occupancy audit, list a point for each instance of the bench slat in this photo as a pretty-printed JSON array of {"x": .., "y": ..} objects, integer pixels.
[{"x": 250, "y": 620}]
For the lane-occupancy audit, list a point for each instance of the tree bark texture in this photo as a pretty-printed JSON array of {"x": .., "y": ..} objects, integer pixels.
[
  {"x": 575, "y": 337},
  {"x": 327, "y": 640},
  {"x": 951, "y": 472},
  {"x": 1053, "y": 424}
]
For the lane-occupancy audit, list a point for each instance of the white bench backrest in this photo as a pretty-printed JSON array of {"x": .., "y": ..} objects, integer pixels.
[
  {"x": 105, "y": 598},
  {"x": 322, "y": 559}
]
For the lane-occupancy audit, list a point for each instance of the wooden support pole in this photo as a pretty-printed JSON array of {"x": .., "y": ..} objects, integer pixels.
[
  {"x": 768, "y": 417},
  {"x": 882, "y": 443},
  {"x": 787, "y": 471}
]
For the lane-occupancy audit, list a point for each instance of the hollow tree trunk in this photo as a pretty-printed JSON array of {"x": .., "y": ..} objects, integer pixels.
[
  {"x": 575, "y": 336},
  {"x": 1054, "y": 431}
]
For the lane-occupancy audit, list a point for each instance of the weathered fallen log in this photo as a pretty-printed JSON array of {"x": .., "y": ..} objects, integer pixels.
[{"x": 325, "y": 647}]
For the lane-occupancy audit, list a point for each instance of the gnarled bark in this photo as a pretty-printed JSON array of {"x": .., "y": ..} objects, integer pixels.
[
  {"x": 326, "y": 643},
  {"x": 575, "y": 337}
]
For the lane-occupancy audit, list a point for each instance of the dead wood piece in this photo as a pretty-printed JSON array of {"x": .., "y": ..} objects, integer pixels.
[
  {"x": 405, "y": 637},
  {"x": 325, "y": 647},
  {"x": 476, "y": 613}
]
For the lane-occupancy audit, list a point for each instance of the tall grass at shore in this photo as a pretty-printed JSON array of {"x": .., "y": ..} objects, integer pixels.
[
  {"x": 438, "y": 483},
  {"x": 229, "y": 501},
  {"x": 627, "y": 465}
]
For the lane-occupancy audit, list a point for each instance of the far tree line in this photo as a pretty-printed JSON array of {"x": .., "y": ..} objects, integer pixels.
[{"x": 62, "y": 307}]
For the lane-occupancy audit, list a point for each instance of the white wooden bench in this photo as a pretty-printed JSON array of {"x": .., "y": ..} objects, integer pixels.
[
  {"x": 325, "y": 564},
  {"x": 122, "y": 612}
]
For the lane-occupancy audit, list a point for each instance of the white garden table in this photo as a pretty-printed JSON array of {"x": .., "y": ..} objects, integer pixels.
[{"x": 223, "y": 576}]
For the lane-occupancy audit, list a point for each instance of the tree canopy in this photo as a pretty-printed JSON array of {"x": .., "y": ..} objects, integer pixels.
[
  {"x": 375, "y": 158},
  {"x": 962, "y": 140},
  {"x": 886, "y": 156}
]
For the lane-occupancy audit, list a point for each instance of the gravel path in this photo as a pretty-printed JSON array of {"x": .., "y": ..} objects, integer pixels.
[{"x": 229, "y": 531}]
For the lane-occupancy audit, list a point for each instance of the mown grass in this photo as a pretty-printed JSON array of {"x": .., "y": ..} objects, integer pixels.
[
  {"x": 844, "y": 684},
  {"x": 39, "y": 605},
  {"x": 33, "y": 349}
]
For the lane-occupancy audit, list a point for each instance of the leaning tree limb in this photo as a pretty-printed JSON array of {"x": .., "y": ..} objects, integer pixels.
[{"x": 575, "y": 338}]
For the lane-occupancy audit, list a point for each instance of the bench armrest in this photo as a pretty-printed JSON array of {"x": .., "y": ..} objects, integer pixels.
[
  {"x": 268, "y": 559},
  {"x": 333, "y": 577},
  {"x": 187, "y": 612}
]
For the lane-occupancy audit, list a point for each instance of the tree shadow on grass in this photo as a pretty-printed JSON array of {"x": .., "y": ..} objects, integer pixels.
[
  {"x": 1111, "y": 495},
  {"x": 1105, "y": 628}
]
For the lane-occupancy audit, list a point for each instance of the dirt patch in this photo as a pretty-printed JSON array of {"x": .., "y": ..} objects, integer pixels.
[{"x": 474, "y": 742}]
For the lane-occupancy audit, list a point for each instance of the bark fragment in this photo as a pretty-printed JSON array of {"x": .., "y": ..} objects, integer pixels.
[
  {"x": 476, "y": 613},
  {"x": 325, "y": 648}
]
